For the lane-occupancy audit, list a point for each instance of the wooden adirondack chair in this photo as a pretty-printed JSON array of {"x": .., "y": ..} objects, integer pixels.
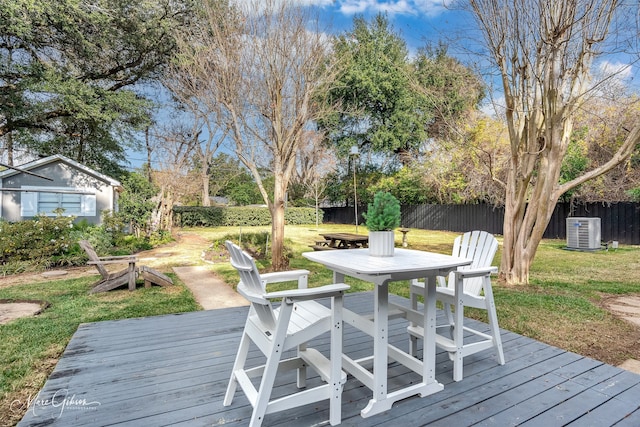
[
  {"x": 119, "y": 278},
  {"x": 115, "y": 279},
  {"x": 481, "y": 247},
  {"x": 297, "y": 320}
]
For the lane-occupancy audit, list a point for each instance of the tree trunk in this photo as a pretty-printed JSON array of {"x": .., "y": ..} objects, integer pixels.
[
  {"x": 205, "y": 188},
  {"x": 278, "y": 261},
  {"x": 515, "y": 264},
  {"x": 529, "y": 207},
  {"x": 9, "y": 148}
]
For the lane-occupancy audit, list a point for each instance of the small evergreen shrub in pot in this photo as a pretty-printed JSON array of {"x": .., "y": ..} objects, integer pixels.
[{"x": 382, "y": 217}]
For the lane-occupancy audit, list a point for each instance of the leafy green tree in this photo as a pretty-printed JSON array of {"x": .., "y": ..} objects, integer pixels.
[
  {"x": 377, "y": 108},
  {"x": 241, "y": 188},
  {"x": 450, "y": 88},
  {"x": 575, "y": 162},
  {"x": 136, "y": 204},
  {"x": 225, "y": 173},
  {"x": 68, "y": 69},
  {"x": 407, "y": 185}
]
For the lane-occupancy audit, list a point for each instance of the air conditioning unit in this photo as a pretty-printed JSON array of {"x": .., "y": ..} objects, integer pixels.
[{"x": 583, "y": 233}]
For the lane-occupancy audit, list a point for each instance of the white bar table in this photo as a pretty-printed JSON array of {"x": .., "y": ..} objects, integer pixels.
[{"x": 406, "y": 264}]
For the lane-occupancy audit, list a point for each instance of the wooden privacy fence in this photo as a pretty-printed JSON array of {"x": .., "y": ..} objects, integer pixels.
[{"x": 619, "y": 221}]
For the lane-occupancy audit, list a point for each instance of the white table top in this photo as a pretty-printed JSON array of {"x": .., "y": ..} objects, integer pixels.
[{"x": 358, "y": 262}]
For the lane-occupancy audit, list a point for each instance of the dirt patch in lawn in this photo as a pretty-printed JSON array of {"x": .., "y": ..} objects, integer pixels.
[{"x": 15, "y": 309}]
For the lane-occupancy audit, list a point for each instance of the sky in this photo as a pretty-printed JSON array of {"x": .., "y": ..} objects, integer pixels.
[{"x": 418, "y": 22}]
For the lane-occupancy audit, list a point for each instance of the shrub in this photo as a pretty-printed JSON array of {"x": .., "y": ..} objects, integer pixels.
[
  {"x": 215, "y": 216},
  {"x": 43, "y": 241}
]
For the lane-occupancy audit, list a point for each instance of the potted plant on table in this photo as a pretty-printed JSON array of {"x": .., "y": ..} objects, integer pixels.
[{"x": 382, "y": 217}]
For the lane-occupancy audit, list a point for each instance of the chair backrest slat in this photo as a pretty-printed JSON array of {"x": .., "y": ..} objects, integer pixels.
[
  {"x": 481, "y": 248},
  {"x": 93, "y": 256},
  {"x": 251, "y": 285}
]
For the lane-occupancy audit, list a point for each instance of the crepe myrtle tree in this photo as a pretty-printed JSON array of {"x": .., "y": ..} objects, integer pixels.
[{"x": 543, "y": 52}]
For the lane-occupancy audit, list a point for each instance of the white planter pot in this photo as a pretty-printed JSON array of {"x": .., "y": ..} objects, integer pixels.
[{"x": 381, "y": 243}]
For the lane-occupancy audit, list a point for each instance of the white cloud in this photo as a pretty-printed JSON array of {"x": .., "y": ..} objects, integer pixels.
[
  {"x": 393, "y": 7},
  {"x": 255, "y": 6},
  {"x": 494, "y": 107},
  {"x": 617, "y": 70},
  {"x": 352, "y": 7},
  {"x": 432, "y": 7}
]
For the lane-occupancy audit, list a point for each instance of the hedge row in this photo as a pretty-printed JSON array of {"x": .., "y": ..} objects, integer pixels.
[{"x": 215, "y": 216}]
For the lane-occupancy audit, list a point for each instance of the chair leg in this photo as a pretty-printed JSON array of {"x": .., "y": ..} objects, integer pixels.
[
  {"x": 458, "y": 331},
  {"x": 241, "y": 358},
  {"x": 335, "y": 404},
  {"x": 271, "y": 367},
  {"x": 493, "y": 320},
  {"x": 450, "y": 322},
  {"x": 413, "y": 340},
  {"x": 301, "y": 381}
]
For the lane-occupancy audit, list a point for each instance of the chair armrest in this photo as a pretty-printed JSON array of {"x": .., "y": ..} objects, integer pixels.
[
  {"x": 309, "y": 293},
  {"x": 114, "y": 260},
  {"x": 286, "y": 276},
  {"x": 475, "y": 272},
  {"x": 116, "y": 257}
]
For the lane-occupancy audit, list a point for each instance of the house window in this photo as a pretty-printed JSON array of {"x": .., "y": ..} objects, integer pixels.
[
  {"x": 49, "y": 202},
  {"x": 74, "y": 202}
]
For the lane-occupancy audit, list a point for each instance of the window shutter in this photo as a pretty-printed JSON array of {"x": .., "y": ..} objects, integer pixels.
[
  {"x": 89, "y": 205},
  {"x": 28, "y": 204}
]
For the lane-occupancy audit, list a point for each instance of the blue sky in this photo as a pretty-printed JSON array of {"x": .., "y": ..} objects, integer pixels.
[{"x": 417, "y": 21}]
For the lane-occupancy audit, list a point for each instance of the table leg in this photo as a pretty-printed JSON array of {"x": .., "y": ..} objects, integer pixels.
[
  {"x": 429, "y": 343},
  {"x": 379, "y": 403},
  {"x": 338, "y": 277},
  {"x": 383, "y": 399},
  {"x": 458, "y": 331}
]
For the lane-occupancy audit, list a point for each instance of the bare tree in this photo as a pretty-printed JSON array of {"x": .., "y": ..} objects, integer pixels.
[
  {"x": 263, "y": 65},
  {"x": 315, "y": 160},
  {"x": 173, "y": 146},
  {"x": 183, "y": 80},
  {"x": 544, "y": 51}
]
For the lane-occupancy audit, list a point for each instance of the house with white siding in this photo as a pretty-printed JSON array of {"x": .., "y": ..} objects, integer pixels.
[{"x": 56, "y": 182}]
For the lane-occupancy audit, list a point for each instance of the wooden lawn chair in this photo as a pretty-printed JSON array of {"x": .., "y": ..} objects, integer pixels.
[
  {"x": 115, "y": 279},
  {"x": 297, "y": 320},
  {"x": 481, "y": 247},
  {"x": 119, "y": 278}
]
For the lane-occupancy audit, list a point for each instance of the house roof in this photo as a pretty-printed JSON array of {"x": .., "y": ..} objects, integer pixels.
[{"x": 60, "y": 158}]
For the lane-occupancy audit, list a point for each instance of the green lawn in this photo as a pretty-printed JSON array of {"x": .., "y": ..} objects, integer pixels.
[{"x": 562, "y": 306}]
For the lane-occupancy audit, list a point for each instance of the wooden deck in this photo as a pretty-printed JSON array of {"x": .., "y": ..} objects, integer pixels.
[{"x": 173, "y": 370}]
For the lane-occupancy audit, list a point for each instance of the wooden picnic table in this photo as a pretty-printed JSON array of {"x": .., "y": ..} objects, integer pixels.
[{"x": 341, "y": 241}]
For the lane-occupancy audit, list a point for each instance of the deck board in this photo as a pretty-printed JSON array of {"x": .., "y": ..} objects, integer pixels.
[{"x": 173, "y": 370}]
